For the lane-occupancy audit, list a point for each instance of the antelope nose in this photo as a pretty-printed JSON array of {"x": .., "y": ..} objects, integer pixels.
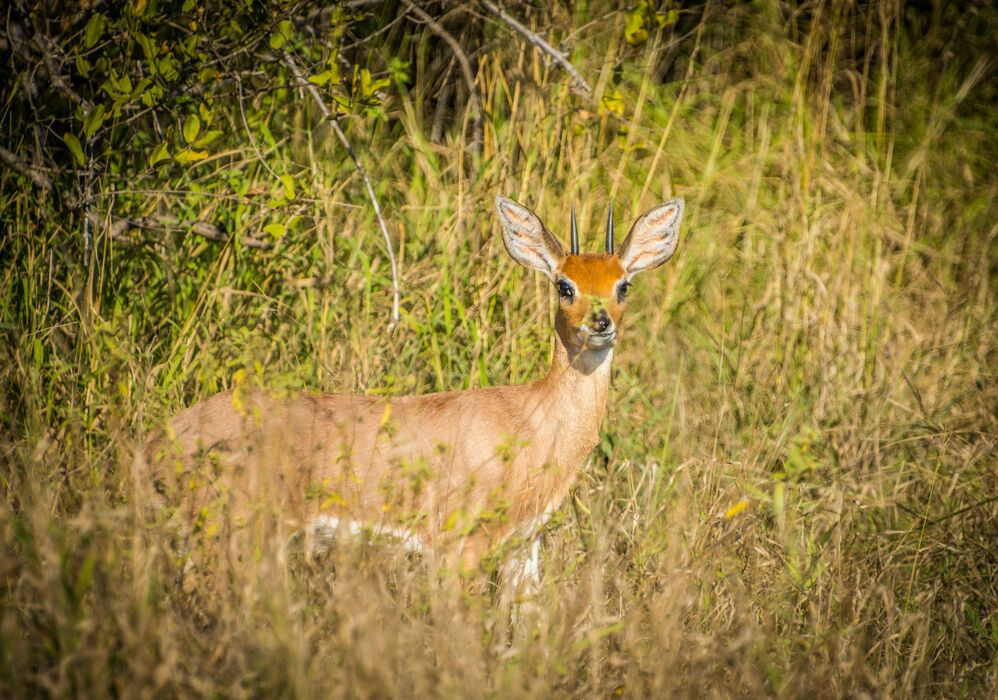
[{"x": 602, "y": 321}]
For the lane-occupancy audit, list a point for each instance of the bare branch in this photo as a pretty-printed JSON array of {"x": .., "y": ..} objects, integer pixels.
[
  {"x": 118, "y": 227},
  {"x": 462, "y": 59},
  {"x": 304, "y": 83},
  {"x": 51, "y": 54},
  {"x": 18, "y": 165},
  {"x": 537, "y": 41},
  {"x": 214, "y": 233}
]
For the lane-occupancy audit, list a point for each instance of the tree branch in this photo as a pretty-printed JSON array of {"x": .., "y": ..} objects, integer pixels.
[
  {"x": 462, "y": 59},
  {"x": 19, "y": 166},
  {"x": 537, "y": 41},
  {"x": 304, "y": 83},
  {"x": 117, "y": 228}
]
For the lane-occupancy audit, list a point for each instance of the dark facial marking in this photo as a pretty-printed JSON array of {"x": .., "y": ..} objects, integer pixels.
[
  {"x": 565, "y": 290},
  {"x": 622, "y": 291}
]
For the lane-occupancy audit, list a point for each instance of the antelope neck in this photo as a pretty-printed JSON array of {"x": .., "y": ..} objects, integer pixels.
[{"x": 573, "y": 399}]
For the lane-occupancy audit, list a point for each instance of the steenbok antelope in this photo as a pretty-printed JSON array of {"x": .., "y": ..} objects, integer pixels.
[{"x": 455, "y": 473}]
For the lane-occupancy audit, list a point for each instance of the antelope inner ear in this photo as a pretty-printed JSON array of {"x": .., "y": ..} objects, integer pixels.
[
  {"x": 526, "y": 238},
  {"x": 653, "y": 237}
]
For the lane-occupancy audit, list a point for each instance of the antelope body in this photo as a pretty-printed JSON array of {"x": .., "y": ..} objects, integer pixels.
[{"x": 456, "y": 472}]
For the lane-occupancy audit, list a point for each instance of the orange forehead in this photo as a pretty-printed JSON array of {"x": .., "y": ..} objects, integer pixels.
[{"x": 593, "y": 273}]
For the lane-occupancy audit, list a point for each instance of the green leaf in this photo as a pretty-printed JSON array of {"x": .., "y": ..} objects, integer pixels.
[
  {"x": 92, "y": 122},
  {"x": 288, "y": 183},
  {"x": 285, "y": 30},
  {"x": 124, "y": 84},
  {"x": 275, "y": 230},
  {"x": 612, "y": 103},
  {"x": 192, "y": 127},
  {"x": 634, "y": 26},
  {"x": 268, "y": 136},
  {"x": 207, "y": 138},
  {"x": 333, "y": 68},
  {"x": 368, "y": 86},
  {"x": 82, "y": 66},
  {"x": 161, "y": 152},
  {"x": 667, "y": 19},
  {"x": 151, "y": 96},
  {"x": 343, "y": 103},
  {"x": 75, "y": 148},
  {"x": 399, "y": 70},
  {"x": 188, "y": 47},
  {"x": 167, "y": 67},
  {"x": 189, "y": 156},
  {"x": 149, "y": 49},
  {"x": 141, "y": 88},
  {"x": 320, "y": 78},
  {"x": 94, "y": 29}
]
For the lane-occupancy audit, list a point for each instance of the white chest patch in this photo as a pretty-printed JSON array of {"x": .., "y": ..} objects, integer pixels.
[{"x": 325, "y": 530}]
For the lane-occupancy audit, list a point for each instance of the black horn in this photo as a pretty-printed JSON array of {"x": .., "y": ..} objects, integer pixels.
[
  {"x": 609, "y": 230},
  {"x": 575, "y": 233}
]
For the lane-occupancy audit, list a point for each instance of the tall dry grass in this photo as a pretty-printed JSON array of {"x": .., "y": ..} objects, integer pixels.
[{"x": 794, "y": 493}]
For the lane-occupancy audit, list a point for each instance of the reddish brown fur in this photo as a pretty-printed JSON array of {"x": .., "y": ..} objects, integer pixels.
[
  {"x": 593, "y": 273},
  {"x": 493, "y": 458},
  {"x": 596, "y": 276},
  {"x": 460, "y": 470},
  {"x": 510, "y": 450}
]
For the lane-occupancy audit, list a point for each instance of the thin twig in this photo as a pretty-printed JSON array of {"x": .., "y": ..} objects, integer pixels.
[
  {"x": 242, "y": 111},
  {"x": 303, "y": 82},
  {"x": 961, "y": 511},
  {"x": 537, "y": 41},
  {"x": 118, "y": 227},
  {"x": 50, "y": 53},
  {"x": 18, "y": 165},
  {"x": 462, "y": 59}
]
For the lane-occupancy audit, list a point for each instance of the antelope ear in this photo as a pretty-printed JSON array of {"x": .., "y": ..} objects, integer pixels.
[
  {"x": 526, "y": 238},
  {"x": 653, "y": 237}
]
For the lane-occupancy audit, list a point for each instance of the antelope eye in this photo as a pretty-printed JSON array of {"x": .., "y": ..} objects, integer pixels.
[
  {"x": 565, "y": 290},
  {"x": 622, "y": 291}
]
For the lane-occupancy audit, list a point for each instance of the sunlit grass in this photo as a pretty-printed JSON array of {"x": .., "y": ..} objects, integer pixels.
[{"x": 793, "y": 493}]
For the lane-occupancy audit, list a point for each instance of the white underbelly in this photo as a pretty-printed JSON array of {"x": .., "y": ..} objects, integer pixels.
[{"x": 325, "y": 530}]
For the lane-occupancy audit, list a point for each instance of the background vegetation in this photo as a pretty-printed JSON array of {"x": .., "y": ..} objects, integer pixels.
[{"x": 795, "y": 491}]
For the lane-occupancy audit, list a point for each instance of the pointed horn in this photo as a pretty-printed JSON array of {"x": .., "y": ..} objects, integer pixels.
[
  {"x": 609, "y": 230},
  {"x": 575, "y": 233}
]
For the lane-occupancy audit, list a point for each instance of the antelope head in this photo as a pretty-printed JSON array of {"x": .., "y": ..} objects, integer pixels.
[{"x": 592, "y": 287}]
